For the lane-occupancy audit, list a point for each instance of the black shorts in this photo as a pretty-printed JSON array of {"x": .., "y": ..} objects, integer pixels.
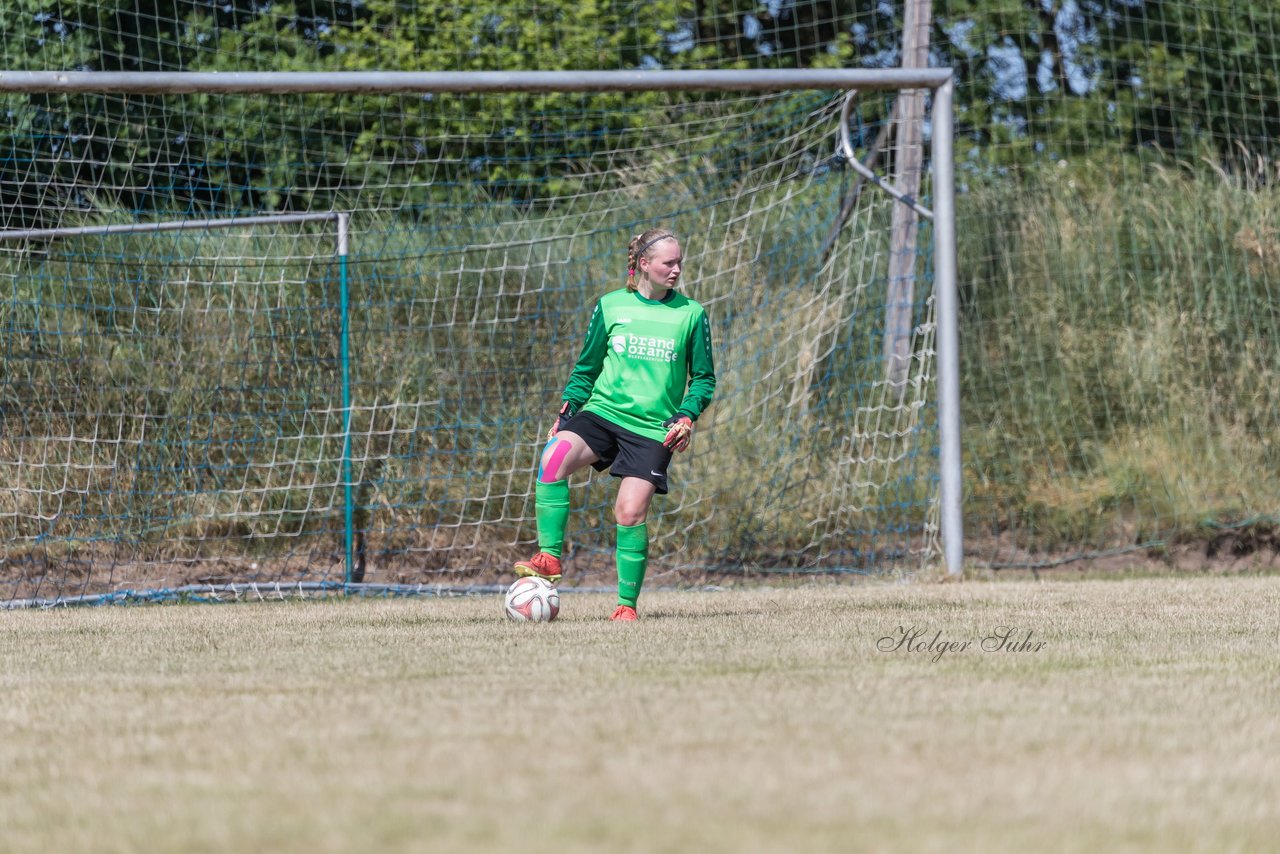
[{"x": 624, "y": 453}]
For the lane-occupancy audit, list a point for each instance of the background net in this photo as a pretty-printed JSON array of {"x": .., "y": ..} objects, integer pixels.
[
  {"x": 1116, "y": 210},
  {"x": 174, "y": 410}
]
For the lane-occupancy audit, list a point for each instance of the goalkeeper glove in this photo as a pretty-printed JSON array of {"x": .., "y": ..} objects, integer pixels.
[
  {"x": 567, "y": 411},
  {"x": 680, "y": 432}
]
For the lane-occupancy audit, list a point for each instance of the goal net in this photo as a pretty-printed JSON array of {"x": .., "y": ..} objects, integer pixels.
[{"x": 294, "y": 341}]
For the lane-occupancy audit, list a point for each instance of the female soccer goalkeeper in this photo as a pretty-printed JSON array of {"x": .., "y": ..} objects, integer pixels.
[{"x": 644, "y": 376}]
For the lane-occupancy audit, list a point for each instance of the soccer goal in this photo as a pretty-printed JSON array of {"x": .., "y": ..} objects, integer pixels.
[{"x": 280, "y": 332}]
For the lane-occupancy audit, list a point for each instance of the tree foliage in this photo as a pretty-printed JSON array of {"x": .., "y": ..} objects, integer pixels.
[
  {"x": 1037, "y": 79},
  {"x": 212, "y": 153},
  {"x": 1064, "y": 77}
]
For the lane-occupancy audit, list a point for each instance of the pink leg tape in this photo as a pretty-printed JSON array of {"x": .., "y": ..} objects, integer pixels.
[{"x": 547, "y": 474}]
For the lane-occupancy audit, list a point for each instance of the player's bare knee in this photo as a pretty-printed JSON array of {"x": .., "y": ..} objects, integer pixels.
[{"x": 629, "y": 516}]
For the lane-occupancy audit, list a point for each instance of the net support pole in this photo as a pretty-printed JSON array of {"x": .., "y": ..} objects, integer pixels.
[
  {"x": 344, "y": 346},
  {"x": 951, "y": 494}
]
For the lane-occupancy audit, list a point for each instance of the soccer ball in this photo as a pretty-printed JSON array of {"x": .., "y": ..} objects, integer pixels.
[{"x": 532, "y": 600}]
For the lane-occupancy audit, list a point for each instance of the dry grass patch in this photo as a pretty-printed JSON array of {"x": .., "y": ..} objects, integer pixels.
[{"x": 761, "y": 719}]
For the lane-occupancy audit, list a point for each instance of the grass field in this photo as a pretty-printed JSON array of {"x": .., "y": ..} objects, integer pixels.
[{"x": 1120, "y": 715}]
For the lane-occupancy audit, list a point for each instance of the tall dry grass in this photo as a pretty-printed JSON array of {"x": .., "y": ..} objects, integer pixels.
[
  {"x": 214, "y": 364},
  {"x": 1119, "y": 360},
  {"x": 1122, "y": 364}
]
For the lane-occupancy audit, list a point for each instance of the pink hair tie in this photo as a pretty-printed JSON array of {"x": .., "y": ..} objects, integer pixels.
[{"x": 631, "y": 271}]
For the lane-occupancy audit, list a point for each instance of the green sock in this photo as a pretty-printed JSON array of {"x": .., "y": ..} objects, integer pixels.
[
  {"x": 552, "y": 510},
  {"x": 633, "y": 556}
]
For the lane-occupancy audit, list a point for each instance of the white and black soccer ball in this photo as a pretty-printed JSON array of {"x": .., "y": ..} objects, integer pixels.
[{"x": 532, "y": 600}]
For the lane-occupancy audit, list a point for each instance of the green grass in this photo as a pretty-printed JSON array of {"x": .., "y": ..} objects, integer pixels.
[{"x": 756, "y": 719}]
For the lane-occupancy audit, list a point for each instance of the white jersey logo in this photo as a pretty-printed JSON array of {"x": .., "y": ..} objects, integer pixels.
[{"x": 645, "y": 348}]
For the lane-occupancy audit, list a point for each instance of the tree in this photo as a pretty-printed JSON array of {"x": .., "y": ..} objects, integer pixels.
[
  {"x": 1037, "y": 79},
  {"x": 1066, "y": 77},
  {"x": 245, "y": 153}
]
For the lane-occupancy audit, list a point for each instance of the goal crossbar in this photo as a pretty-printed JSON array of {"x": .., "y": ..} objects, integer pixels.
[{"x": 390, "y": 82}]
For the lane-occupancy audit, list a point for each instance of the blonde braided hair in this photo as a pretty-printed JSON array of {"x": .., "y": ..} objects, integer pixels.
[{"x": 639, "y": 248}]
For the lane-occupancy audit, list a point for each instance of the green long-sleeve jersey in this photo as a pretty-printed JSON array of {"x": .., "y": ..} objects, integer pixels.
[{"x": 643, "y": 361}]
